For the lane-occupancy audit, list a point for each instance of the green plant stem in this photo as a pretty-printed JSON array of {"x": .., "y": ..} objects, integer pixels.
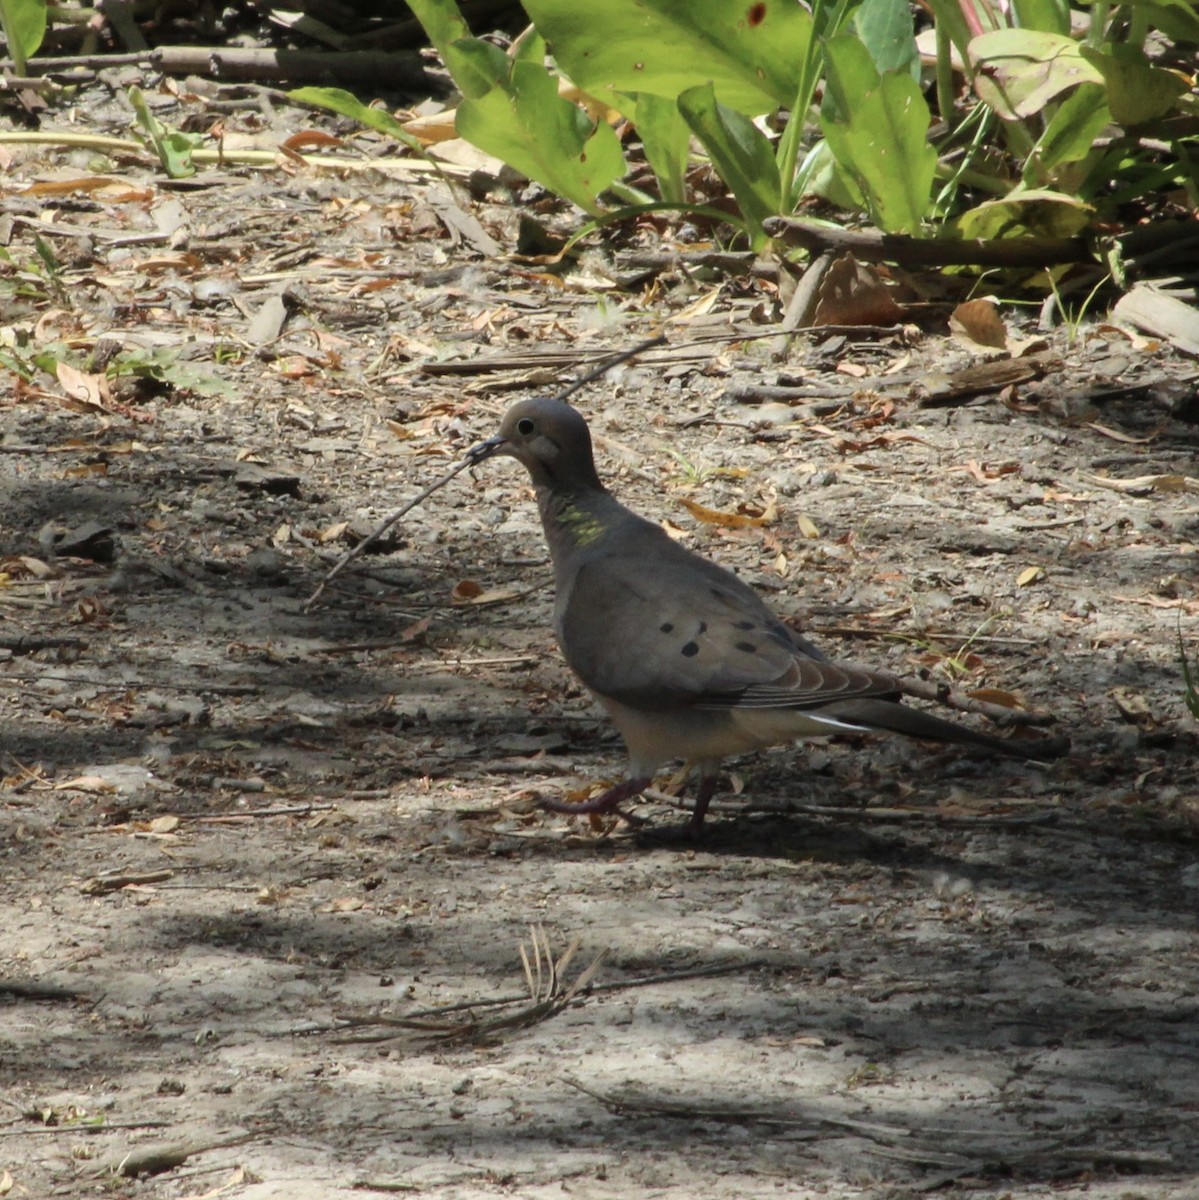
[
  {"x": 1019, "y": 139},
  {"x": 974, "y": 179},
  {"x": 1138, "y": 26},
  {"x": 809, "y": 78},
  {"x": 630, "y": 195},
  {"x": 945, "y": 77},
  {"x": 1099, "y": 14}
]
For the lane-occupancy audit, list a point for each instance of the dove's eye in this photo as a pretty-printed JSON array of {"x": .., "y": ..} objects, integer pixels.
[{"x": 525, "y": 427}]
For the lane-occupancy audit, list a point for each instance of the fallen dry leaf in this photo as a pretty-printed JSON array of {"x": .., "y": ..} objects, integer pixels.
[
  {"x": 87, "y": 389},
  {"x": 856, "y": 293},
  {"x": 978, "y": 323},
  {"x": 86, "y": 783},
  {"x": 711, "y": 516}
]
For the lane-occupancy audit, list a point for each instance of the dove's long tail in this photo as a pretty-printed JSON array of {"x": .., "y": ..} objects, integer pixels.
[{"x": 888, "y": 716}]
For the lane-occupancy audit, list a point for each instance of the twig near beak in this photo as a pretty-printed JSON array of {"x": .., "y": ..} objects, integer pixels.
[{"x": 474, "y": 456}]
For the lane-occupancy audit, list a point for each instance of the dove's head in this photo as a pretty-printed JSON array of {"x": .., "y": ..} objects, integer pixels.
[{"x": 550, "y": 439}]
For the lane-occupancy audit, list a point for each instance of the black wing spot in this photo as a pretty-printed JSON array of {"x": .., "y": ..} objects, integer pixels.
[
  {"x": 748, "y": 647},
  {"x": 667, "y": 628},
  {"x": 703, "y": 626},
  {"x": 746, "y": 625},
  {"x": 690, "y": 650}
]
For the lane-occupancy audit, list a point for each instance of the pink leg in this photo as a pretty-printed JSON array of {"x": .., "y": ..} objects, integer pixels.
[{"x": 607, "y": 802}]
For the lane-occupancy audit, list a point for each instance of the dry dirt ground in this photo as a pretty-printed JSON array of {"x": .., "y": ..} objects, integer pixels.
[{"x": 253, "y": 852}]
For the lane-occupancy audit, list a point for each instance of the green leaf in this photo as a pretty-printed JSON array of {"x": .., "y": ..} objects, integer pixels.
[
  {"x": 24, "y": 26},
  {"x": 887, "y": 30},
  {"x": 163, "y": 366},
  {"x": 850, "y": 73},
  {"x": 1021, "y": 70},
  {"x": 751, "y": 53},
  {"x": 1032, "y": 212},
  {"x": 343, "y": 102},
  {"x": 667, "y": 141},
  {"x": 445, "y": 28},
  {"x": 740, "y": 152},
  {"x": 1136, "y": 91},
  {"x": 821, "y": 175},
  {"x": 174, "y": 149},
  {"x": 1071, "y": 133},
  {"x": 1048, "y": 16},
  {"x": 1177, "y": 19},
  {"x": 482, "y": 61},
  {"x": 1190, "y": 693},
  {"x": 880, "y": 136},
  {"x": 527, "y": 124}
]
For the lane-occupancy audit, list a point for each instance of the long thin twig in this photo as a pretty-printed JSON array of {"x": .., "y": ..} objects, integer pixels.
[
  {"x": 615, "y": 985},
  {"x": 471, "y": 459},
  {"x": 376, "y": 534},
  {"x": 942, "y": 693}
]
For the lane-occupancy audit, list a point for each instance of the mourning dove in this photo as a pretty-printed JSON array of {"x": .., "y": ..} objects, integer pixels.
[{"x": 687, "y": 659}]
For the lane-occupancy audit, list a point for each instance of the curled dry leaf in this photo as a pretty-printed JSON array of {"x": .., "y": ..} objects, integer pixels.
[
  {"x": 807, "y": 527},
  {"x": 978, "y": 322},
  {"x": 306, "y": 139},
  {"x": 89, "y": 391},
  {"x": 738, "y": 520},
  {"x": 1030, "y": 575},
  {"x": 1134, "y": 707},
  {"x": 86, "y": 783},
  {"x": 23, "y": 566}
]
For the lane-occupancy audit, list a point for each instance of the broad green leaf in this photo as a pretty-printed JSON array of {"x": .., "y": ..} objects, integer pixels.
[
  {"x": 667, "y": 141},
  {"x": 445, "y": 28},
  {"x": 751, "y": 53},
  {"x": 483, "y": 64},
  {"x": 1020, "y": 70},
  {"x": 851, "y": 73},
  {"x": 1071, "y": 134},
  {"x": 880, "y": 137},
  {"x": 339, "y": 101},
  {"x": 1047, "y": 16},
  {"x": 1136, "y": 91},
  {"x": 1177, "y": 19},
  {"x": 528, "y": 125},
  {"x": 888, "y": 32},
  {"x": 24, "y": 26},
  {"x": 740, "y": 152},
  {"x": 1031, "y": 213},
  {"x": 529, "y": 47}
]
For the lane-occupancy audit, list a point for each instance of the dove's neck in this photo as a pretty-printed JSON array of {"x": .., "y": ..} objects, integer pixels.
[{"x": 576, "y": 519}]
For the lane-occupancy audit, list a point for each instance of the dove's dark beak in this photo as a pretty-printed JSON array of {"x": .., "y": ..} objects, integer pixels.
[{"x": 485, "y": 450}]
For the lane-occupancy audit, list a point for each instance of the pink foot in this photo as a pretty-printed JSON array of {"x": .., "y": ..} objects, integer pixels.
[{"x": 606, "y": 802}]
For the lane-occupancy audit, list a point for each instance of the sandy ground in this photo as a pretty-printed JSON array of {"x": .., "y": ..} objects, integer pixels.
[{"x": 249, "y": 847}]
